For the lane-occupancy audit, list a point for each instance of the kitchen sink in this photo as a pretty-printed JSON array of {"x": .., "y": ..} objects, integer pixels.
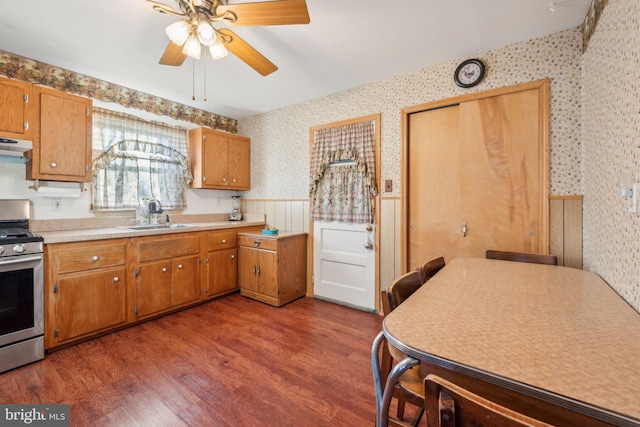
[{"x": 155, "y": 227}]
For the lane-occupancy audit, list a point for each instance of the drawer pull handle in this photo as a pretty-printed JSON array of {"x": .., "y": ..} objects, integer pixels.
[
  {"x": 224, "y": 241},
  {"x": 95, "y": 257},
  {"x": 115, "y": 279},
  {"x": 233, "y": 257},
  {"x": 179, "y": 266},
  {"x": 164, "y": 269},
  {"x": 54, "y": 164},
  {"x": 257, "y": 242}
]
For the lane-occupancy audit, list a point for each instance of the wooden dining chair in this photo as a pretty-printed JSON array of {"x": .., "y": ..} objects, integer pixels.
[
  {"x": 430, "y": 268},
  {"x": 522, "y": 257},
  {"x": 449, "y": 405},
  {"x": 409, "y": 388}
]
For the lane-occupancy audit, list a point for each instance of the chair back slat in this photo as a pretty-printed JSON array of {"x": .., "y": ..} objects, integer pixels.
[
  {"x": 449, "y": 405},
  {"x": 522, "y": 257},
  {"x": 403, "y": 287},
  {"x": 430, "y": 268}
]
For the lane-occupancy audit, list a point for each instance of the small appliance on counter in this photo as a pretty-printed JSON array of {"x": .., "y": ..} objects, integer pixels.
[{"x": 235, "y": 214}]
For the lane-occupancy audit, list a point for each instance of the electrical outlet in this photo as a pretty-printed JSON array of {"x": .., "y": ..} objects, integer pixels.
[
  {"x": 56, "y": 204},
  {"x": 388, "y": 186}
]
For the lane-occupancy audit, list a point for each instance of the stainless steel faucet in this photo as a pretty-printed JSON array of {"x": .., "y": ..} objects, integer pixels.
[{"x": 153, "y": 207}]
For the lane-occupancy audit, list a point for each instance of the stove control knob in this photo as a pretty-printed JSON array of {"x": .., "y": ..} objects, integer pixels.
[{"x": 18, "y": 249}]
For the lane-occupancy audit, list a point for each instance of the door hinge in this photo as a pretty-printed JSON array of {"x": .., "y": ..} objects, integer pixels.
[
  {"x": 26, "y": 125},
  {"x": 55, "y": 288},
  {"x": 88, "y": 112},
  {"x": 86, "y": 168},
  {"x": 137, "y": 310},
  {"x": 55, "y": 333},
  {"x": 26, "y": 97}
]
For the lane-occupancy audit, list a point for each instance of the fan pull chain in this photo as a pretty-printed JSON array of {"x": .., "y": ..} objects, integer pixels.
[
  {"x": 193, "y": 72},
  {"x": 205, "y": 74}
]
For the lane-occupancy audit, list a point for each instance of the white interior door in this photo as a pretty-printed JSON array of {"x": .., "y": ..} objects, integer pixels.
[{"x": 344, "y": 264}]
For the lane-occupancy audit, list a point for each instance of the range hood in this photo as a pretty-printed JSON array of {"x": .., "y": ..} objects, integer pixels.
[{"x": 13, "y": 150}]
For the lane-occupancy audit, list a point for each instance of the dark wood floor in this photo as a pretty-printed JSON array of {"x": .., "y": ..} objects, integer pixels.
[{"x": 229, "y": 362}]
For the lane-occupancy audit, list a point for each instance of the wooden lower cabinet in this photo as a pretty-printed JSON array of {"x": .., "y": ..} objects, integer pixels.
[
  {"x": 273, "y": 268},
  {"x": 95, "y": 287},
  {"x": 85, "y": 290},
  {"x": 168, "y": 273},
  {"x": 222, "y": 263}
]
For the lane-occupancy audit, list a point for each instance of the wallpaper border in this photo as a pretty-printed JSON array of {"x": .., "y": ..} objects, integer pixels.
[
  {"x": 591, "y": 21},
  {"x": 31, "y": 71}
]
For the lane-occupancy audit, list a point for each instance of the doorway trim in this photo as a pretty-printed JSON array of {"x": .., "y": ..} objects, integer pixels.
[
  {"x": 376, "y": 119},
  {"x": 543, "y": 92}
]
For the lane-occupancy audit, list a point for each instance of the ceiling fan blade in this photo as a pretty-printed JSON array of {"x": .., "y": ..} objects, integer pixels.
[
  {"x": 280, "y": 12},
  {"x": 248, "y": 54},
  {"x": 173, "y": 55}
]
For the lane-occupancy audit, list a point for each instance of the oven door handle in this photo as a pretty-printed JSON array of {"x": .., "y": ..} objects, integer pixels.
[{"x": 21, "y": 259}]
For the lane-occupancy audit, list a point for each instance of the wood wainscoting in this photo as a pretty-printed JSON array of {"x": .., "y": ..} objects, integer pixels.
[{"x": 565, "y": 230}]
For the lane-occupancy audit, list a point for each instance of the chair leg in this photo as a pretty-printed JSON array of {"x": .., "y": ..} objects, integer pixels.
[
  {"x": 400, "y": 411},
  {"x": 416, "y": 418}
]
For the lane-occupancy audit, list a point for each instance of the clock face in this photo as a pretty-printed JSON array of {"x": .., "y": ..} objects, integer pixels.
[{"x": 469, "y": 73}]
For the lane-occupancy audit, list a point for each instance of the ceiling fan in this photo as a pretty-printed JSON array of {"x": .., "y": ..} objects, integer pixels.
[{"x": 196, "y": 28}]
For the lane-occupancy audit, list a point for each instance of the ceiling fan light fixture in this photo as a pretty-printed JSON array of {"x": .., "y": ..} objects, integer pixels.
[
  {"x": 218, "y": 51},
  {"x": 206, "y": 33},
  {"x": 179, "y": 32},
  {"x": 192, "y": 47}
]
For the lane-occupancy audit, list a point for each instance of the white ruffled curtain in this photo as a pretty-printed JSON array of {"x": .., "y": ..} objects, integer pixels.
[
  {"x": 135, "y": 160},
  {"x": 343, "y": 193}
]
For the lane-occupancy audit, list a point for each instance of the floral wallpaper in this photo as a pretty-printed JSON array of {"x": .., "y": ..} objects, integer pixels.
[
  {"x": 280, "y": 138},
  {"x": 27, "y": 70},
  {"x": 611, "y": 146}
]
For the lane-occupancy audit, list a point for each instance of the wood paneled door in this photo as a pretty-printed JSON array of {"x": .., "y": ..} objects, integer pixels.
[{"x": 476, "y": 169}]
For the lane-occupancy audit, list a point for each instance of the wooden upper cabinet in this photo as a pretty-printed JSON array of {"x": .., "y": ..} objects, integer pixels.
[
  {"x": 15, "y": 109},
  {"x": 62, "y": 147},
  {"x": 219, "y": 160}
]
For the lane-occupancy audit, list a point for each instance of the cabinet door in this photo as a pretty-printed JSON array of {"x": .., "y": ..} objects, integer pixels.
[
  {"x": 267, "y": 272},
  {"x": 90, "y": 302},
  {"x": 239, "y": 163},
  {"x": 247, "y": 268},
  {"x": 223, "y": 271},
  {"x": 154, "y": 287},
  {"x": 215, "y": 153},
  {"x": 14, "y": 112},
  {"x": 64, "y": 146},
  {"x": 185, "y": 280}
]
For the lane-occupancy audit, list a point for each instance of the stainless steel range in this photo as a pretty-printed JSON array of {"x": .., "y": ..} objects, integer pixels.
[{"x": 21, "y": 287}]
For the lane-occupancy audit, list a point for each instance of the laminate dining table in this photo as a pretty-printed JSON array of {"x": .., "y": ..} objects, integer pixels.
[{"x": 556, "y": 343}]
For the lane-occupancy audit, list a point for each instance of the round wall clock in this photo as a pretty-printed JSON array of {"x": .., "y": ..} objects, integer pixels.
[{"x": 469, "y": 73}]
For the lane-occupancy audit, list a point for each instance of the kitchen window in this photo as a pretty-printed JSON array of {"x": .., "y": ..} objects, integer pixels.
[{"x": 136, "y": 160}]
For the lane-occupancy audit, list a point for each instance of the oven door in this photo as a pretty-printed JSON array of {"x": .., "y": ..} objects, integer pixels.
[{"x": 21, "y": 298}]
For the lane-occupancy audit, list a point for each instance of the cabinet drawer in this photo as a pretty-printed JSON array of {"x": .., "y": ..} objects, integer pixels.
[
  {"x": 153, "y": 248},
  {"x": 222, "y": 240},
  {"x": 80, "y": 257},
  {"x": 258, "y": 242}
]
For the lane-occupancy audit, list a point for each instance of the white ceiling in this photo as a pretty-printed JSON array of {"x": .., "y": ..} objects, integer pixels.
[{"x": 348, "y": 43}]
